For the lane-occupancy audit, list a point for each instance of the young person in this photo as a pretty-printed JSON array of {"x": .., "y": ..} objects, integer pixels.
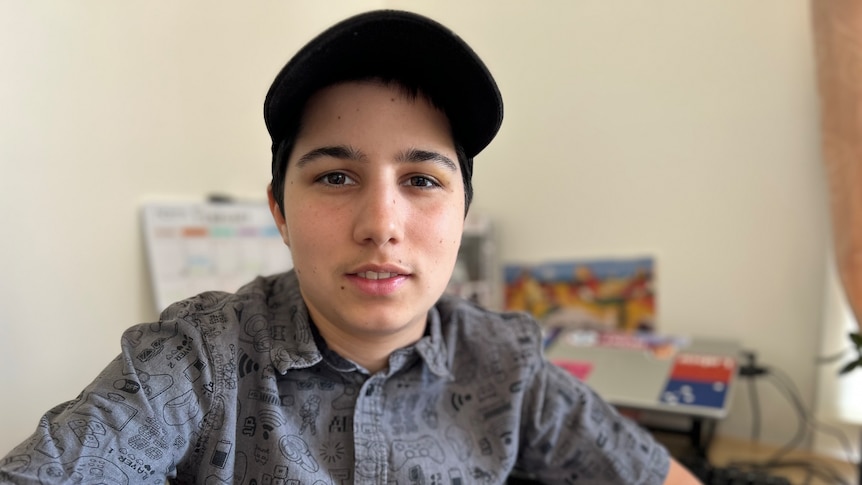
[{"x": 353, "y": 367}]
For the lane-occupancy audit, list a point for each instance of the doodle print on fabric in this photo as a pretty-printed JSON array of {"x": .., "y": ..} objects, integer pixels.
[
  {"x": 296, "y": 450},
  {"x": 233, "y": 388},
  {"x": 87, "y": 470}
]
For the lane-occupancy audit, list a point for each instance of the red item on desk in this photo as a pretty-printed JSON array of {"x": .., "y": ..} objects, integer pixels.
[
  {"x": 703, "y": 368},
  {"x": 578, "y": 368}
]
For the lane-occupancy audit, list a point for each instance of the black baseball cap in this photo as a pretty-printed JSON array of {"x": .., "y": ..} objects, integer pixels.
[{"x": 392, "y": 45}]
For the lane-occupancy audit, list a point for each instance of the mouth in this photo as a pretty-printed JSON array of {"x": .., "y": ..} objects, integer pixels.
[
  {"x": 375, "y": 275},
  {"x": 379, "y": 280}
]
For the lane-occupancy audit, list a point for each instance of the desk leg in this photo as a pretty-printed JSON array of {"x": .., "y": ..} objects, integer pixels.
[
  {"x": 696, "y": 437},
  {"x": 701, "y": 433}
]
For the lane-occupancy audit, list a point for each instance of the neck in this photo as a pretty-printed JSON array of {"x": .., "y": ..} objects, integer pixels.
[{"x": 370, "y": 351}]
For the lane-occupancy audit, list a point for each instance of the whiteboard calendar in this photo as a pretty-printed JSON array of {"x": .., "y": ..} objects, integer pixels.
[{"x": 194, "y": 247}]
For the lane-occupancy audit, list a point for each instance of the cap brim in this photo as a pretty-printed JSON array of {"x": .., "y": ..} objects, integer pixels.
[{"x": 393, "y": 45}]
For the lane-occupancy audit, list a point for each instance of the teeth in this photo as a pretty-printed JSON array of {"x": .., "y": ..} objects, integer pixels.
[{"x": 371, "y": 275}]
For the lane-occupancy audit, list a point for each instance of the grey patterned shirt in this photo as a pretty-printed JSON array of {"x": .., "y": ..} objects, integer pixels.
[{"x": 240, "y": 388}]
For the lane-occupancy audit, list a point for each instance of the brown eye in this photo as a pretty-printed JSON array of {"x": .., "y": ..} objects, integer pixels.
[
  {"x": 421, "y": 181},
  {"x": 335, "y": 178}
]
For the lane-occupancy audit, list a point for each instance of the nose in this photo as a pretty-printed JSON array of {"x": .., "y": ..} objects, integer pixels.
[{"x": 379, "y": 216}]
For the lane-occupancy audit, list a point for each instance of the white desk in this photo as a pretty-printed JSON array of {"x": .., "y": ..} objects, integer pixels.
[{"x": 690, "y": 378}]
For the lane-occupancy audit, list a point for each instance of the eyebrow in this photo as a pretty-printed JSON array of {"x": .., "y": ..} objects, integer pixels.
[
  {"x": 343, "y": 152},
  {"x": 415, "y": 155},
  {"x": 346, "y": 152}
]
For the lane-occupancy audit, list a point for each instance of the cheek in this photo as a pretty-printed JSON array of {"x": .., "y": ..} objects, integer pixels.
[
  {"x": 313, "y": 227},
  {"x": 301, "y": 229},
  {"x": 442, "y": 229}
]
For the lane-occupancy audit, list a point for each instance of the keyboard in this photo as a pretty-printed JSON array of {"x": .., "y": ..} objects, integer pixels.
[
  {"x": 705, "y": 472},
  {"x": 730, "y": 475},
  {"x": 708, "y": 476}
]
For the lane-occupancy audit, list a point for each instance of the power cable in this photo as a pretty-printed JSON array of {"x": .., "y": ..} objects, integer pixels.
[{"x": 805, "y": 424}]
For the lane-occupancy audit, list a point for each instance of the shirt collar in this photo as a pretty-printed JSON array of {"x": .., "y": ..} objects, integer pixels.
[
  {"x": 295, "y": 343},
  {"x": 433, "y": 348},
  {"x": 292, "y": 343}
]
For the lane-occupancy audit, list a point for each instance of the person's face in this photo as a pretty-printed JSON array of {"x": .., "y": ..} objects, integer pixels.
[{"x": 373, "y": 210}]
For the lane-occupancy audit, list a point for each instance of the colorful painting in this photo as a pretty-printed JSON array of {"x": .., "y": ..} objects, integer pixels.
[{"x": 614, "y": 294}]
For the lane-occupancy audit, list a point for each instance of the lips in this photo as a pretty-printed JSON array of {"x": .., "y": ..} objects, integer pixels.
[
  {"x": 378, "y": 271},
  {"x": 378, "y": 280},
  {"x": 374, "y": 275}
]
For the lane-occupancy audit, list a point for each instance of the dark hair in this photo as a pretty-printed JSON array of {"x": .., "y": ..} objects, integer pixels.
[{"x": 281, "y": 155}]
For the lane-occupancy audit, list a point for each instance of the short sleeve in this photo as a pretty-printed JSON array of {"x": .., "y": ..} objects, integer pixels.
[
  {"x": 571, "y": 435},
  {"x": 133, "y": 424}
]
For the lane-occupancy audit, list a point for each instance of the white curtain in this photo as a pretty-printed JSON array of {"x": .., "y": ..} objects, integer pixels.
[
  {"x": 837, "y": 28},
  {"x": 839, "y": 397}
]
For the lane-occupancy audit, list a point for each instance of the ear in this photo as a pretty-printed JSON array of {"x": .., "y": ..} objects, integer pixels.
[{"x": 277, "y": 216}]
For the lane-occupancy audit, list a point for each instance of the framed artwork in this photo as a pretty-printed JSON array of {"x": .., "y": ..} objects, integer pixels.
[{"x": 607, "y": 294}]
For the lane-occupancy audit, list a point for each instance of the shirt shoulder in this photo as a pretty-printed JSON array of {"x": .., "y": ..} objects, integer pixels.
[
  {"x": 475, "y": 325},
  {"x": 251, "y": 296}
]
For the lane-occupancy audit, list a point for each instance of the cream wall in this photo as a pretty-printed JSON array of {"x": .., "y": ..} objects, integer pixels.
[{"x": 685, "y": 130}]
